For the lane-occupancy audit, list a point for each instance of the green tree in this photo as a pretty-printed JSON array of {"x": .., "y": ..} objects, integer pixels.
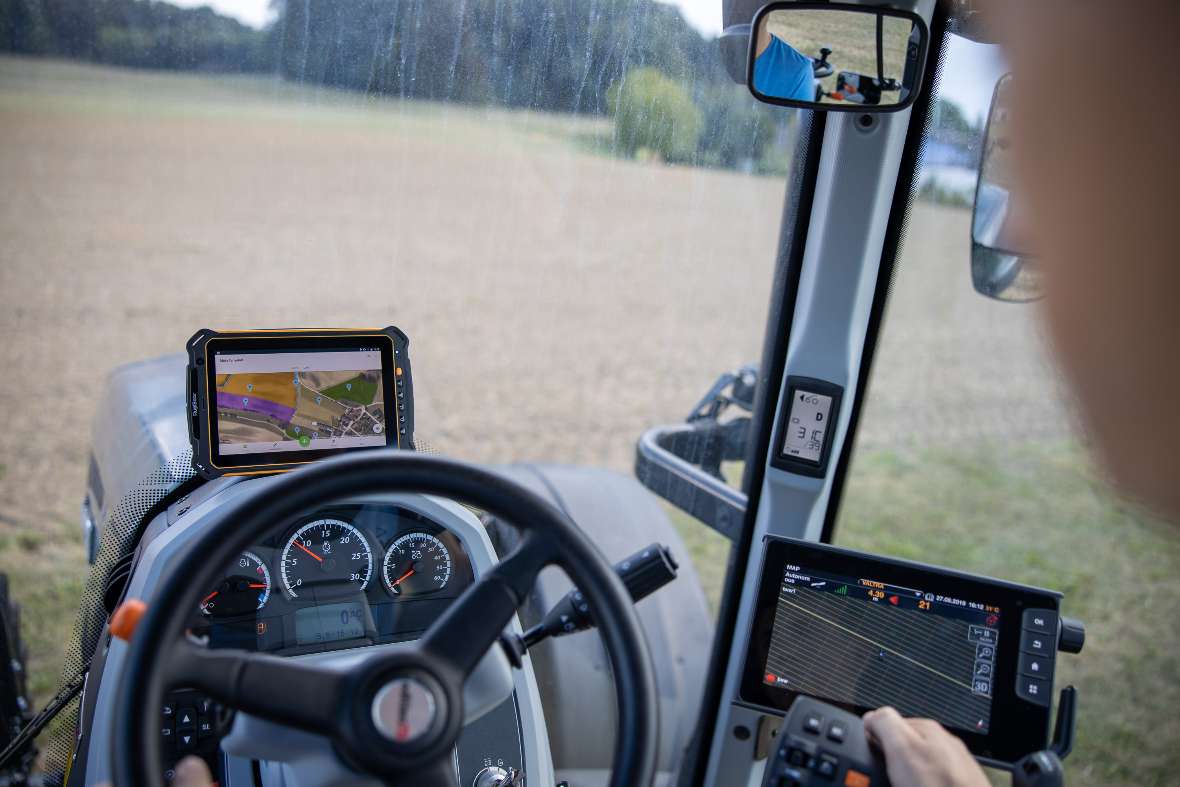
[
  {"x": 737, "y": 129},
  {"x": 655, "y": 113}
]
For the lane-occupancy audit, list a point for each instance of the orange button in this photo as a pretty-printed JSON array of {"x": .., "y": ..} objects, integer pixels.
[
  {"x": 855, "y": 779},
  {"x": 127, "y": 617}
]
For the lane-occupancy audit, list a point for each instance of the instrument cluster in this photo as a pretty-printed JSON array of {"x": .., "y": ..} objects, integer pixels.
[{"x": 345, "y": 576}]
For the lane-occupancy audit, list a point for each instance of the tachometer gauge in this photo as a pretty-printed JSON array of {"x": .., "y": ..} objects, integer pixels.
[
  {"x": 326, "y": 557},
  {"x": 246, "y": 588},
  {"x": 416, "y": 564}
]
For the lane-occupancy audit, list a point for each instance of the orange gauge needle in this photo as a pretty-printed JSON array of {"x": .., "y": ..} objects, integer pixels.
[
  {"x": 208, "y": 598},
  {"x": 255, "y": 586},
  {"x": 404, "y": 576},
  {"x": 308, "y": 551}
]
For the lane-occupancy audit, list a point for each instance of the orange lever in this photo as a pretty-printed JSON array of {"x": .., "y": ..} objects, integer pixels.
[{"x": 127, "y": 617}]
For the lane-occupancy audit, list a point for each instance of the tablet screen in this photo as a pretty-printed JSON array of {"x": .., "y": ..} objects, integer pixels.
[{"x": 272, "y": 402}]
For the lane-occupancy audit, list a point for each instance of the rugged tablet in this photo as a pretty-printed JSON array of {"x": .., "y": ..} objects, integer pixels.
[
  {"x": 861, "y": 632},
  {"x": 268, "y": 401}
]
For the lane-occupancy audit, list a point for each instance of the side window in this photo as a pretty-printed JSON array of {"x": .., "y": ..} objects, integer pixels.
[{"x": 967, "y": 456}]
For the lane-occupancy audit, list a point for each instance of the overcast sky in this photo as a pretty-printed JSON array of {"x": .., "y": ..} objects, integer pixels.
[{"x": 968, "y": 74}]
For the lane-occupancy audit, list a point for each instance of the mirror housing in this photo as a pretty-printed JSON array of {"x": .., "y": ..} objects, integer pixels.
[
  {"x": 734, "y": 44},
  {"x": 1001, "y": 266},
  {"x": 836, "y": 56}
]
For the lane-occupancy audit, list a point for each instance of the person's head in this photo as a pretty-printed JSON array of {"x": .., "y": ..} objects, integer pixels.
[{"x": 1094, "y": 126}]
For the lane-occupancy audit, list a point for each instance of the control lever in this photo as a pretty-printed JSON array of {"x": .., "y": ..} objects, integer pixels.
[
  {"x": 643, "y": 573},
  {"x": 1039, "y": 769}
]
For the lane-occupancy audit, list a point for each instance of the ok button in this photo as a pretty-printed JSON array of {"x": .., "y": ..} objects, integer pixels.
[{"x": 1043, "y": 621}]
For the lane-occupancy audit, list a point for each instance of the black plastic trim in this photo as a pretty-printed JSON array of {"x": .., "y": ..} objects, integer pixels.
[
  {"x": 704, "y": 497},
  {"x": 891, "y": 249}
]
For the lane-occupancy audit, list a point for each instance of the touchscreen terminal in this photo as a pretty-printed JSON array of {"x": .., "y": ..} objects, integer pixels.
[
  {"x": 863, "y": 632},
  {"x": 266, "y": 401}
]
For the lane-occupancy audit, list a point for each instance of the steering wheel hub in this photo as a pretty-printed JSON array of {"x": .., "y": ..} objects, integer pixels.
[{"x": 406, "y": 709}]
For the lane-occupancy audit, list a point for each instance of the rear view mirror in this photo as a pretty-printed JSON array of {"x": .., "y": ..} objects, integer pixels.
[
  {"x": 1001, "y": 266},
  {"x": 835, "y": 56}
]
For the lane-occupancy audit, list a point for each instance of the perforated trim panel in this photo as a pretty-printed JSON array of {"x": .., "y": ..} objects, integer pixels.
[{"x": 120, "y": 534}]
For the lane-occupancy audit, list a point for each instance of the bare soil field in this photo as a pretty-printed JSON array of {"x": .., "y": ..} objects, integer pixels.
[{"x": 558, "y": 302}]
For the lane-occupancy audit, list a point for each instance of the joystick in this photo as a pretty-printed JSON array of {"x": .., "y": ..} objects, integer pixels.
[{"x": 820, "y": 744}]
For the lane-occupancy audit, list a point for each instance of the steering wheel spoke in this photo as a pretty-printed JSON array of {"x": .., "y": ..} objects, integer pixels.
[
  {"x": 473, "y": 623},
  {"x": 278, "y": 689}
]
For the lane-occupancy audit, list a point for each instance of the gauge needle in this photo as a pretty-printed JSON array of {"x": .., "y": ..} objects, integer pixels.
[
  {"x": 208, "y": 598},
  {"x": 308, "y": 551},
  {"x": 255, "y": 586},
  {"x": 404, "y": 576}
]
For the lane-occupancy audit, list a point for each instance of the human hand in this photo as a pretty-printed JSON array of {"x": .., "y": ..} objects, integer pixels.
[
  {"x": 192, "y": 772},
  {"x": 920, "y": 753}
]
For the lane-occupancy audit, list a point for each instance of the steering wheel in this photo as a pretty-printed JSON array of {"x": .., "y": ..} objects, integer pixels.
[{"x": 363, "y": 711}]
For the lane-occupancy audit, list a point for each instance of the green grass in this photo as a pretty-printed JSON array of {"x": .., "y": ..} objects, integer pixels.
[
  {"x": 1039, "y": 514},
  {"x": 46, "y": 571},
  {"x": 69, "y": 88},
  {"x": 358, "y": 390}
]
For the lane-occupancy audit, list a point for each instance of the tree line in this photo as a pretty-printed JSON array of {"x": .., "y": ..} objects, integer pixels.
[
  {"x": 132, "y": 33},
  {"x": 574, "y": 56}
]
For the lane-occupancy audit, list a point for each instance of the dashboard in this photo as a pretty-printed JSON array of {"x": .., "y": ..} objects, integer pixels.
[{"x": 340, "y": 577}]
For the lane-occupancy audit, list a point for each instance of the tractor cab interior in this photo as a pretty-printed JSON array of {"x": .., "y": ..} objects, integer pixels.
[{"x": 290, "y": 582}]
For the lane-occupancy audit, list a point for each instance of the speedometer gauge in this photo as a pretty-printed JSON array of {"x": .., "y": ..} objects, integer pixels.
[
  {"x": 245, "y": 588},
  {"x": 416, "y": 564},
  {"x": 325, "y": 557}
]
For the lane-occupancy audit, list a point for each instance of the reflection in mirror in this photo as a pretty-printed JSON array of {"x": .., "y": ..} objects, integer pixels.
[
  {"x": 845, "y": 57},
  {"x": 1001, "y": 266}
]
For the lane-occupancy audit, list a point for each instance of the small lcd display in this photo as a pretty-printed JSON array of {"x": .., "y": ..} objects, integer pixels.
[
  {"x": 274, "y": 402},
  {"x": 807, "y": 426},
  {"x": 331, "y": 623}
]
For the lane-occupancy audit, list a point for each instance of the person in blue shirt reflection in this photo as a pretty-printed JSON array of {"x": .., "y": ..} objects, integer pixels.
[{"x": 780, "y": 71}]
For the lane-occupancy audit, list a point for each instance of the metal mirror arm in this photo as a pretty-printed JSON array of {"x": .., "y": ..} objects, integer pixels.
[{"x": 881, "y": 50}]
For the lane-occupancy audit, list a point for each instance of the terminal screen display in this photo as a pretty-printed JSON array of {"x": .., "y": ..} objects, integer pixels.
[
  {"x": 863, "y": 631},
  {"x": 298, "y": 401},
  {"x": 861, "y": 641}
]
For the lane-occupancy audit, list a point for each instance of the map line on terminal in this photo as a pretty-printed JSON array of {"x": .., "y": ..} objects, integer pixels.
[{"x": 882, "y": 646}]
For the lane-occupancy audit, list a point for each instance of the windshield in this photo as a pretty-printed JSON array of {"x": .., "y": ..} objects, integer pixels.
[{"x": 570, "y": 209}]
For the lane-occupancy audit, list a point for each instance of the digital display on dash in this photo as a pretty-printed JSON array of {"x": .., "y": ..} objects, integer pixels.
[
  {"x": 331, "y": 623},
  {"x": 868, "y": 644},
  {"x": 807, "y": 426},
  {"x": 275, "y": 402}
]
